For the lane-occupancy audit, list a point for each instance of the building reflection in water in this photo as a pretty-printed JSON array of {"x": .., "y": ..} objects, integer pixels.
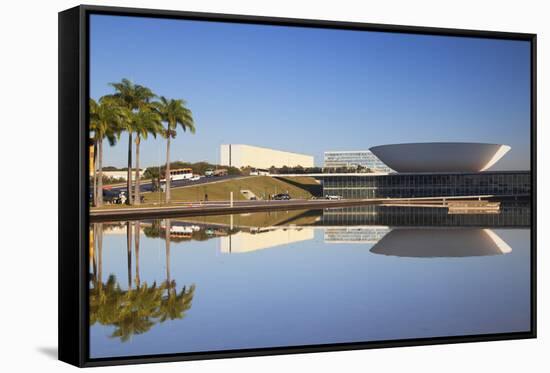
[
  {"x": 355, "y": 234},
  {"x": 441, "y": 243},
  {"x": 243, "y": 242}
]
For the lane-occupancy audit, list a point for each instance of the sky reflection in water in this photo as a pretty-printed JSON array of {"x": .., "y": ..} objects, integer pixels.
[{"x": 302, "y": 278}]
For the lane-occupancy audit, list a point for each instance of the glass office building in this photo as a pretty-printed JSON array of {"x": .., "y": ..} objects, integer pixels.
[
  {"x": 405, "y": 185},
  {"x": 354, "y": 158}
]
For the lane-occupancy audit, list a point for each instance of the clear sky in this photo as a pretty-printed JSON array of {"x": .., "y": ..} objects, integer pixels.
[{"x": 311, "y": 90}]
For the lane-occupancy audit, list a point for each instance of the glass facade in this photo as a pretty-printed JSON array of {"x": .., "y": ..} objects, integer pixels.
[
  {"x": 499, "y": 183},
  {"x": 351, "y": 159}
]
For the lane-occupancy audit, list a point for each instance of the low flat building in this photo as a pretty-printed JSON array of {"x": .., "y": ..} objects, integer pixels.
[
  {"x": 122, "y": 174},
  {"x": 353, "y": 159},
  {"x": 240, "y": 155}
]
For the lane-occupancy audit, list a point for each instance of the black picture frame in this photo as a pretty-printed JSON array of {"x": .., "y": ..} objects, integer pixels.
[{"x": 73, "y": 182}]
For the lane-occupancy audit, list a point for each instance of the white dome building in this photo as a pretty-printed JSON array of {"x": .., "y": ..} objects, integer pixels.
[{"x": 440, "y": 156}]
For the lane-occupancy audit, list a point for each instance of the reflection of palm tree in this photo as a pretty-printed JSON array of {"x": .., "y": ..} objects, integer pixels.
[
  {"x": 93, "y": 239},
  {"x": 137, "y": 312},
  {"x": 129, "y": 251},
  {"x": 137, "y": 231},
  {"x": 174, "y": 305},
  {"x": 167, "y": 245},
  {"x": 99, "y": 239},
  {"x": 137, "y": 309},
  {"x": 131, "y": 312},
  {"x": 105, "y": 301}
]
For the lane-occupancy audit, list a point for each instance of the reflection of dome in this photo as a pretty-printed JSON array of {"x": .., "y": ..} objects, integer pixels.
[
  {"x": 441, "y": 242},
  {"x": 440, "y": 156}
]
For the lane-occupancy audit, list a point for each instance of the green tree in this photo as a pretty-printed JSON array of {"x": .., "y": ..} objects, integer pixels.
[
  {"x": 173, "y": 113},
  {"x": 133, "y": 97},
  {"x": 106, "y": 121}
]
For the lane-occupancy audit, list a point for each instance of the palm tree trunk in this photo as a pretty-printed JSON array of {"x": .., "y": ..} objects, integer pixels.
[
  {"x": 136, "y": 249},
  {"x": 100, "y": 172},
  {"x": 129, "y": 250},
  {"x": 129, "y": 175},
  {"x": 167, "y": 170},
  {"x": 136, "y": 194},
  {"x": 167, "y": 239}
]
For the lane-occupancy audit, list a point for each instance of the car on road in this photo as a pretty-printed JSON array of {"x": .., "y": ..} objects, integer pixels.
[
  {"x": 195, "y": 178},
  {"x": 333, "y": 197},
  {"x": 209, "y": 172},
  {"x": 281, "y": 197},
  {"x": 112, "y": 197},
  {"x": 220, "y": 172}
]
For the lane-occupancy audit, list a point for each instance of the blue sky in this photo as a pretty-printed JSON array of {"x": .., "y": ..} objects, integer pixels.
[{"x": 310, "y": 90}]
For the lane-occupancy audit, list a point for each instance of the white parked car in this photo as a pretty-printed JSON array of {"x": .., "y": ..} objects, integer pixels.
[
  {"x": 333, "y": 197},
  {"x": 195, "y": 177}
]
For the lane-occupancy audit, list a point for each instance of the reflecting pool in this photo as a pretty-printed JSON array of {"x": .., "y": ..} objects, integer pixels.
[{"x": 294, "y": 278}]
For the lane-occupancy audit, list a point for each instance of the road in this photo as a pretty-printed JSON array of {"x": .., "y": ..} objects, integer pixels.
[
  {"x": 224, "y": 207},
  {"x": 147, "y": 186}
]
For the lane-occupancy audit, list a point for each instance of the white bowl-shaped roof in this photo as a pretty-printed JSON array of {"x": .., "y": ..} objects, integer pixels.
[
  {"x": 440, "y": 156},
  {"x": 441, "y": 243}
]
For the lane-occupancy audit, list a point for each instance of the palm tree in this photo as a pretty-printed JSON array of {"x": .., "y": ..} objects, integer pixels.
[
  {"x": 173, "y": 112},
  {"x": 106, "y": 120},
  {"x": 144, "y": 122},
  {"x": 133, "y": 97}
]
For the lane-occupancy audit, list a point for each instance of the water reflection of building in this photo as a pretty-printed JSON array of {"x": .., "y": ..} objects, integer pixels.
[
  {"x": 355, "y": 234},
  {"x": 512, "y": 214},
  {"x": 441, "y": 242},
  {"x": 244, "y": 242}
]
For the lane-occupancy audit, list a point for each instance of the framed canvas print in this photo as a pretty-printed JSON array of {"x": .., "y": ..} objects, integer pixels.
[{"x": 239, "y": 186}]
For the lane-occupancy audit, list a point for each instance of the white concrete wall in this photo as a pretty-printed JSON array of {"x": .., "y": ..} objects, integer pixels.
[
  {"x": 254, "y": 156},
  {"x": 121, "y": 174}
]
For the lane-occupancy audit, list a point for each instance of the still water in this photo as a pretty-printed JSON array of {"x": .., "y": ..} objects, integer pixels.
[{"x": 306, "y": 277}]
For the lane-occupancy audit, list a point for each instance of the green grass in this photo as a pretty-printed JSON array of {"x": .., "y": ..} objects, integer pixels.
[{"x": 261, "y": 186}]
